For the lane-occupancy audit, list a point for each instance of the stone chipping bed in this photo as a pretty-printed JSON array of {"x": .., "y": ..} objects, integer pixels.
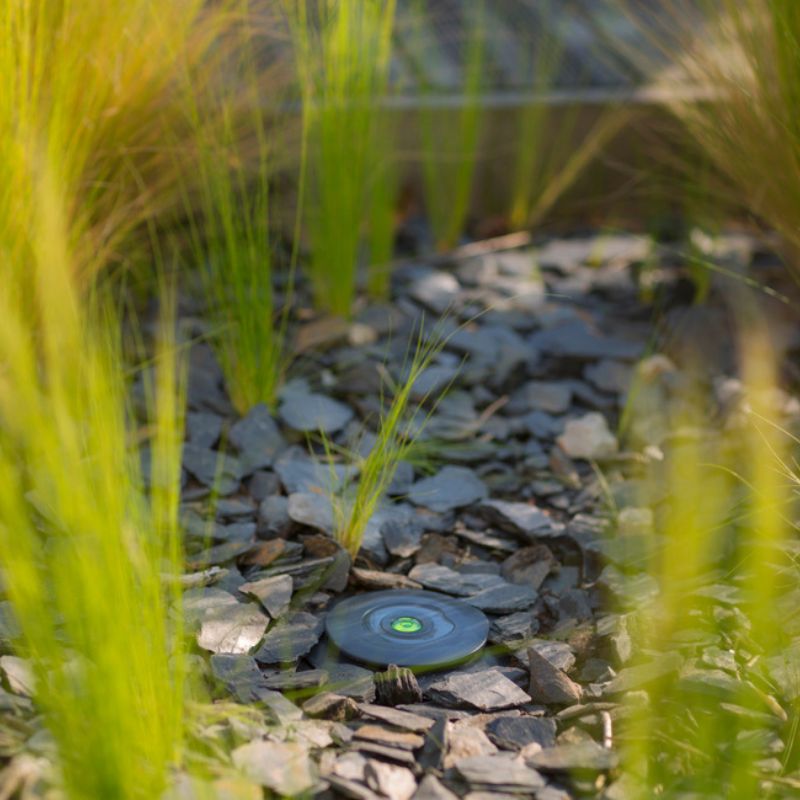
[{"x": 529, "y": 507}]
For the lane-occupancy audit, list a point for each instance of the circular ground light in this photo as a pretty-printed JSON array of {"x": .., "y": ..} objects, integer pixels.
[{"x": 407, "y": 628}]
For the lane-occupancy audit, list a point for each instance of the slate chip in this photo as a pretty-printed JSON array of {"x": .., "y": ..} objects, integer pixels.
[
  {"x": 499, "y": 773},
  {"x": 232, "y": 628},
  {"x": 529, "y": 566},
  {"x": 503, "y": 599},
  {"x": 257, "y": 438},
  {"x": 312, "y": 509},
  {"x": 443, "y": 579},
  {"x": 588, "y": 756},
  {"x": 309, "y": 413},
  {"x": 402, "y": 537},
  {"x": 289, "y": 640},
  {"x": 486, "y": 690},
  {"x": 450, "y": 488},
  {"x": 548, "y": 683},
  {"x": 514, "y": 733},
  {"x": 513, "y": 628},
  {"x": 284, "y": 768},
  {"x": 300, "y": 473},
  {"x": 523, "y": 519},
  {"x": 274, "y": 593},
  {"x": 222, "y": 472},
  {"x": 588, "y": 438},
  {"x": 203, "y": 428}
]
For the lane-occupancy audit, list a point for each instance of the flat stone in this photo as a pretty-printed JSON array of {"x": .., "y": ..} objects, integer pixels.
[
  {"x": 609, "y": 376},
  {"x": 486, "y": 690},
  {"x": 19, "y": 675},
  {"x": 289, "y": 640},
  {"x": 431, "y": 788},
  {"x": 559, "y": 654},
  {"x": 309, "y": 413},
  {"x": 443, "y": 579},
  {"x": 312, "y": 509},
  {"x": 198, "y": 601},
  {"x": 373, "y": 579},
  {"x": 232, "y": 628},
  {"x": 405, "y": 740},
  {"x": 273, "y": 514},
  {"x": 499, "y": 773},
  {"x": 503, "y": 599},
  {"x": 300, "y": 473},
  {"x": 467, "y": 741},
  {"x": 282, "y": 767},
  {"x": 257, "y": 438},
  {"x": 522, "y": 519},
  {"x": 390, "y": 780},
  {"x": 588, "y": 756},
  {"x": 263, "y": 483},
  {"x": 588, "y": 437},
  {"x": 393, "y": 754},
  {"x": 274, "y": 593},
  {"x": 203, "y": 428},
  {"x": 402, "y": 536},
  {"x": 547, "y": 396},
  {"x": 215, "y": 470},
  {"x": 513, "y": 628},
  {"x": 226, "y": 667},
  {"x": 529, "y": 566},
  {"x": 514, "y": 733},
  {"x": 353, "y": 681},
  {"x": 450, "y": 488},
  {"x": 433, "y": 380},
  {"x": 435, "y": 290},
  {"x": 576, "y": 339},
  {"x": 288, "y": 680},
  {"x": 549, "y": 684},
  {"x": 396, "y": 717}
]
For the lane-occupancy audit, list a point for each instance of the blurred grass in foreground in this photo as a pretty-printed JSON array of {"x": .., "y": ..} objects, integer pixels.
[
  {"x": 744, "y": 61},
  {"x": 715, "y": 722},
  {"x": 83, "y": 553}
]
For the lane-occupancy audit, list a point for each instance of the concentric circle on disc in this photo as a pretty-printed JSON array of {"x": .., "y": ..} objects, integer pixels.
[{"x": 410, "y": 628}]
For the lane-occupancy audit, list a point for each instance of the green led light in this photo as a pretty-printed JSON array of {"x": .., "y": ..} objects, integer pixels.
[{"x": 406, "y": 625}]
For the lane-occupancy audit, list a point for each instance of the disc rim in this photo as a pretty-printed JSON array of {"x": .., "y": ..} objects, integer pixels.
[{"x": 343, "y": 634}]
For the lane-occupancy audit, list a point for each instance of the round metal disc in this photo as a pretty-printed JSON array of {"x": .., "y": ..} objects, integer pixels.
[{"x": 408, "y": 628}]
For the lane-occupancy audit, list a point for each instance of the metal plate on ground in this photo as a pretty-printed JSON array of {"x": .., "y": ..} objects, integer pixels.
[{"x": 411, "y": 628}]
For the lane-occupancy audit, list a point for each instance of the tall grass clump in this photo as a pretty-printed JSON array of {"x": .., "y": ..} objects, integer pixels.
[
  {"x": 745, "y": 62},
  {"x": 228, "y": 206},
  {"x": 95, "y": 85},
  {"x": 725, "y": 565},
  {"x": 554, "y": 142},
  {"x": 83, "y": 552},
  {"x": 400, "y": 424},
  {"x": 450, "y": 148},
  {"x": 342, "y": 50}
]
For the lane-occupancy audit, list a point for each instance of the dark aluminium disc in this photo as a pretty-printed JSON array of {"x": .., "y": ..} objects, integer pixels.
[{"x": 408, "y": 628}]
